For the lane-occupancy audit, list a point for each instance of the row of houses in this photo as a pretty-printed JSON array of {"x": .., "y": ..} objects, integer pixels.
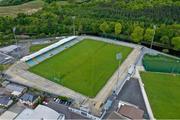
[
  {"x": 8, "y": 91},
  {"x": 41, "y": 112},
  {"x": 11, "y": 93}
]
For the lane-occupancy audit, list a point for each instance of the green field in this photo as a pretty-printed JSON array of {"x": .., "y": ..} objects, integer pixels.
[
  {"x": 35, "y": 48},
  {"x": 163, "y": 93},
  {"x": 161, "y": 63},
  {"x": 85, "y": 67},
  {"x": 28, "y": 8}
]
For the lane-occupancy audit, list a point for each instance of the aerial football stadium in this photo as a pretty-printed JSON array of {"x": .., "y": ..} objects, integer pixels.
[{"x": 81, "y": 65}]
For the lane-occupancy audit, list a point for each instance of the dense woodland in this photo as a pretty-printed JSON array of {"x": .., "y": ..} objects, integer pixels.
[{"x": 129, "y": 20}]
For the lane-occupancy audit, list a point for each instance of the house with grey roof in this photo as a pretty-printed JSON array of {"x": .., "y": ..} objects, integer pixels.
[
  {"x": 5, "y": 101},
  {"x": 16, "y": 90},
  {"x": 29, "y": 99}
]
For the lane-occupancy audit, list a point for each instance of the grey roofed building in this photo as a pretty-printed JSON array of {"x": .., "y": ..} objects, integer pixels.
[
  {"x": 6, "y": 59},
  {"x": 29, "y": 97},
  {"x": 4, "y": 91},
  {"x": 16, "y": 89},
  {"x": 14, "y": 51},
  {"x": 9, "y": 49},
  {"x": 5, "y": 101},
  {"x": 41, "y": 112}
]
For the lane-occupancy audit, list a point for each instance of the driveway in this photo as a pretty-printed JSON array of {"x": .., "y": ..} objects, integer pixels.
[{"x": 131, "y": 93}]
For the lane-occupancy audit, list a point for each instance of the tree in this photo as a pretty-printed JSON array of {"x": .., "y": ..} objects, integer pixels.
[
  {"x": 2, "y": 40},
  {"x": 95, "y": 27},
  {"x": 104, "y": 27},
  {"x": 165, "y": 40},
  {"x": 176, "y": 42},
  {"x": 137, "y": 34},
  {"x": 118, "y": 28},
  {"x": 149, "y": 34},
  {"x": 80, "y": 29}
]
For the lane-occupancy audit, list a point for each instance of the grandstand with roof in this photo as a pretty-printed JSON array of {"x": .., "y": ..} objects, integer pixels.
[{"x": 49, "y": 51}]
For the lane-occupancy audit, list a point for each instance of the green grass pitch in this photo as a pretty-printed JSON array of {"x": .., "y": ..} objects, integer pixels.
[
  {"x": 84, "y": 68},
  {"x": 163, "y": 93}
]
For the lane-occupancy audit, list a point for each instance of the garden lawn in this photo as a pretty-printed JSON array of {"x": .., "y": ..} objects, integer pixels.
[
  {"x": 163, "y": 93},
  {"x": 85, "y": 67}
]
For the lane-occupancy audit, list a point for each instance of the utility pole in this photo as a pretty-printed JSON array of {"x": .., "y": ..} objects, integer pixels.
[
  {"x": 14, "y": 33},
  {"x": 154, "y": 27},
  {"x": 74, "y": 29},
  {"x": 118, "y": 57},
  {"x": 19, "y": 52}
]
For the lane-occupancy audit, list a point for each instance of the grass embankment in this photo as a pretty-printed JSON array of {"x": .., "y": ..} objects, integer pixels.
[{"x": 28, "y": 8}]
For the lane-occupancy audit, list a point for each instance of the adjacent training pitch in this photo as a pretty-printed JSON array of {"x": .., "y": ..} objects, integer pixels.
[
  {"x": 161, "y": 63},
  {"x": 85, "y": 67},
  {"x": 163, "y": 93}
]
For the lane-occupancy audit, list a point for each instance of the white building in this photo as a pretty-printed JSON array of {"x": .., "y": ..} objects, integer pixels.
[
  {"x": 8, "y": 115},
  {"x": 41, "y": 112}
]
